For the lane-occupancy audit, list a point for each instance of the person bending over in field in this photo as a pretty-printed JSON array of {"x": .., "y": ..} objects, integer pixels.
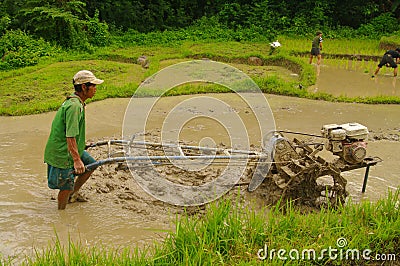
[
  {"x": 390, "y": 59},
  {"x": 65, "y": 149}
]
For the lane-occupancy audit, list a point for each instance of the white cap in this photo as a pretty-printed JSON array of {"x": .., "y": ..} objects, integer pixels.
[{"x": 85, "y": 76}]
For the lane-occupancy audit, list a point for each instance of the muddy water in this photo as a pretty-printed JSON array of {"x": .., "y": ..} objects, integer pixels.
[
  {"x": 28, "y": 215},
  {"x": 353, "y": 79}
]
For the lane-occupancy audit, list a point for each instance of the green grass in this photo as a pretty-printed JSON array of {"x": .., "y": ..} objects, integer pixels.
[
  {"x": 43, "y": 87},
  {"x": 231, "y": 234},
  {"x": 334, "y": 46}
]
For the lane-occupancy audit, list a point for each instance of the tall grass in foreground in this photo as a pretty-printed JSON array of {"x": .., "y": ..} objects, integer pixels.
[{"x": 230, "y": 234}]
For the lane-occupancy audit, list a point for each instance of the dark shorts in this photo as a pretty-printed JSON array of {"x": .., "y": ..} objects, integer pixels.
[
  {"x": 388, "y": 61},
  {"x": 64, "y": 179},
  {"x": 315, "y": 51}
]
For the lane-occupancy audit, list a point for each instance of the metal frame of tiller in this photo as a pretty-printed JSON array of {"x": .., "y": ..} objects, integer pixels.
[
  {"x": 266, "y": 157},
  {"x": 209, "y": 153}
]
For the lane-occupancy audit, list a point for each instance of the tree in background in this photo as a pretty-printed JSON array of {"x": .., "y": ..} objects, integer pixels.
[
  {"x": 65, "y": 23},
  {"x": 72, "y": 24}
]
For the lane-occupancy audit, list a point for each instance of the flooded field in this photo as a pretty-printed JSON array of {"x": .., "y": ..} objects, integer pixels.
[{"x": 120, "y": 213}]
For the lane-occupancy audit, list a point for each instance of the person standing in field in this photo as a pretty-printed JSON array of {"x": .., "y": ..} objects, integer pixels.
[
  {"x": 316, "y": 47},
  {"x": 390, "y": 59},
  {"x": 65, "y": 153}
]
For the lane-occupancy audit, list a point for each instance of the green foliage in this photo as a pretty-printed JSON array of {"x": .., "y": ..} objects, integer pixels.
[
  {"x": 310, "y": 19},
  {"x": 64, "y": 23},
  {"x": 344, "y": 32},
  {"x": 272, "y": 15},
  {"x": 4, "y": 23},
  {"x": 204, "y": 30},
  {"x": 97, "y": 32},
  {"x": 55, "y": 25},
  {"x": 233, "y": 15},
  {"x": 83, "y": 25},
  {"x": 299, "y": 27},
  {"x": 384, "y": 24},
  {"x": 17, "y": 49}
]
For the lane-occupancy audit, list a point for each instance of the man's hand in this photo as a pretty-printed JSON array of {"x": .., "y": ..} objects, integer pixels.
[
  {"x": 79, "y": 167},
  {"x": 73, "y": 150}
]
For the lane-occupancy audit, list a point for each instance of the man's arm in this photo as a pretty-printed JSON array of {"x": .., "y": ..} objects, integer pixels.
[{"x": 73, "y": 150}]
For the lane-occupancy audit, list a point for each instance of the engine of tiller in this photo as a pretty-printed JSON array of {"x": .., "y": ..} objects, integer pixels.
[{"x": 299, "y": 173}]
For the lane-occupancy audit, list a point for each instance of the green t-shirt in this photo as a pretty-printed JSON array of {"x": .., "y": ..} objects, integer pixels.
[
  {"x": 316, "y": 41},
  {"x": 68, "y": 122}
]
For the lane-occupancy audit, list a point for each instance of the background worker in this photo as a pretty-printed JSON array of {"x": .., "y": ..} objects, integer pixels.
[
  {"x": 65, "y": 149},
  {"x": 316, "y": 47},
  {"x": 390, "y": 59}
]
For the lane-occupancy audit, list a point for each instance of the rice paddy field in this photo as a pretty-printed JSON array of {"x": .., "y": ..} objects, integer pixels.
[{"x": 226, "y": 233}]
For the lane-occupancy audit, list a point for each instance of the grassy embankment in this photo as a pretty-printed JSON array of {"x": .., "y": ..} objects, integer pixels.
[{"x": 41, "y": 88}]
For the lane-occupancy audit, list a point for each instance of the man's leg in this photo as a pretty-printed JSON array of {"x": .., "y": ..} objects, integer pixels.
[
  {"x": 376, "y": 71},
  {"x": 63, "y": 197},
  {"x": 80, "y": 180},
  {"x": 385, "y": 59},
  {"x": 319, "y": 59},
  {"x": 395, "y": 72},
  {"x": 63, "y": 180},
  {"x": 311, "y": 58}
]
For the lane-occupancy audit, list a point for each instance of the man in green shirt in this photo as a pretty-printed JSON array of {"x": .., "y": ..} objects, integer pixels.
[
  {"x": 65, "y": 149},
  {"x": 316, "y": 47}
]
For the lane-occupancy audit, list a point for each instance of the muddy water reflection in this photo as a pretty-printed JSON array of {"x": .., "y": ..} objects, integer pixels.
[
  {"x": 355, "y": 80},
  {"x": 29, "y": 219}
]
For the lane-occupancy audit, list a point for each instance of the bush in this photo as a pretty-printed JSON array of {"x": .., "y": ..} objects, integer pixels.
[
  {"x": 342, "y": 32},
  {"x": 384, "y": 24},
  {"x": 4, "y": 23},
  {"x": 98, "y": 32},
  {"x": 17, "y": 49},
  {"x": 204, "y": 29}
]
